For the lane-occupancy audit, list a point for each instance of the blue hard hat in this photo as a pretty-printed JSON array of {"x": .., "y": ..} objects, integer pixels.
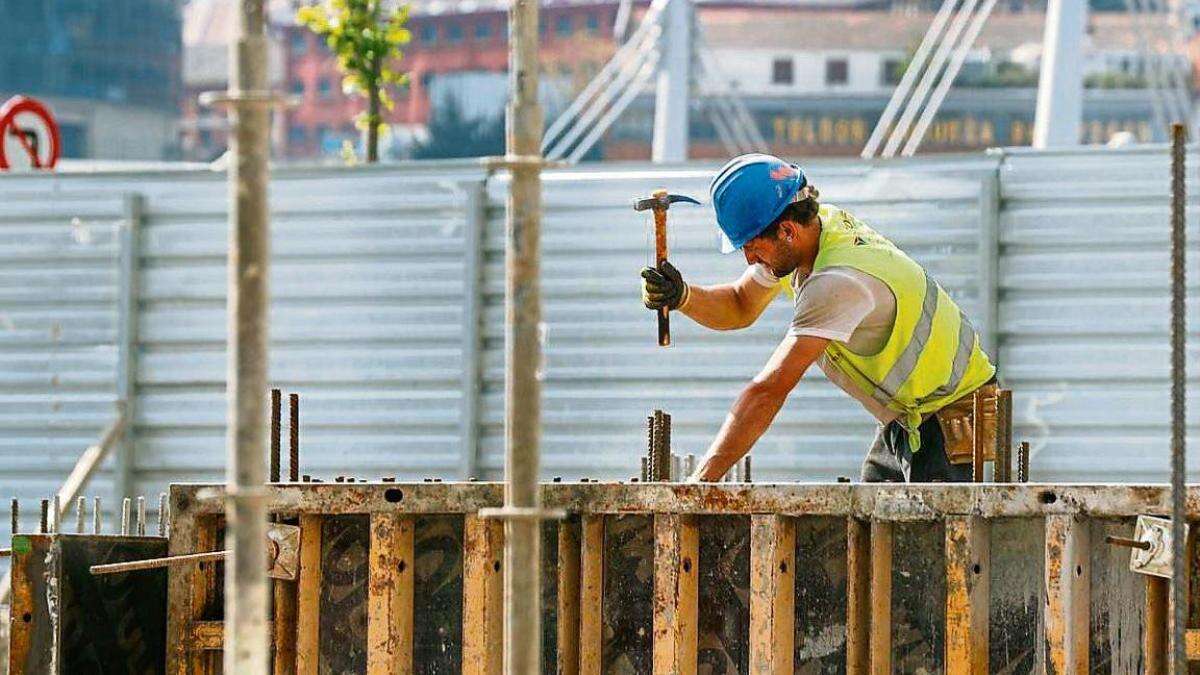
[{"x": 749, "y": 193}]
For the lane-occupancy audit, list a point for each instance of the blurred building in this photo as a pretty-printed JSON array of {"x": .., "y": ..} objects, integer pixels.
[{"x": 110, "y": 71}]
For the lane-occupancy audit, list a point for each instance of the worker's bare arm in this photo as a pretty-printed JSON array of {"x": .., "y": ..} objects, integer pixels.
[
  {"x": 729, "y": 306},
  {"x": 758, "y": 404}
]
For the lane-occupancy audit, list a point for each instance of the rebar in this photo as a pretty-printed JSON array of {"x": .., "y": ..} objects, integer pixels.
[
  {"x": 1178, "y": 393},
  {"x": 645, "y": 468},
  {"x": 689, "y": 464},
  {"x": 276, "y": 410},
  {"x": 651, "y": 427},
  {"x": 16, "y": 515},
  {"x": 97, "y": 518},
  {"x": 162, "y": 514},
  {"x": 735, "y": 472},
  {"x": 80, "y": 513},
  {"x": 294, "y": 437},
  {"x": 746, "y": 469},
  {"x": 141, "y": 516},
  {"x": 126, "y": 505},
  {"x": 1003, "y": 462},
  {"x": 43, "y": 523},
  {"x": 56, "y": 516},
  {"x": 676, "y": 467},
  {"x": 1023, "y": 462}
]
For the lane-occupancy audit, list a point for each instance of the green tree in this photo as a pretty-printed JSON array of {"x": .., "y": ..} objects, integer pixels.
[{"x": 366, "y": 38}]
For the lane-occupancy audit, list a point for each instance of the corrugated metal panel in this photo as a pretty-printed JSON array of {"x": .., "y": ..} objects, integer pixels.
[
  {"x": 1085, "y": 310},
  {"x": 603, "y": 370},
  {"x": 58, "y": 315}
]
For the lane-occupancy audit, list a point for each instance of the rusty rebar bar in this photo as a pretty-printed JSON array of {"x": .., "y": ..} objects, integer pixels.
[
  {"x": 1130, "y": 543},
  {"x": 1023, "y": 462},
  {"x": 16, "y": 515},
  {"x": 294, "y": 437},
  {"x": 1002, "y": 466},
  {"x": 80, "y": 513},
  {"x": 662, "y": 446},
  {"x": 645, "y": 469},
  {"x": 651, "y": 427},
  {"x": 1178, "y": 398},
  {"x": 56, "y": 514},
  {"x": 141, "y": 516},
  {"x": 746, "y": 469},
  {"x": 97, "y": 517},
  {"x": 276, "y": 411},
  {"x": 44, "y": 522},
  {"x": 162, "y": 514}
]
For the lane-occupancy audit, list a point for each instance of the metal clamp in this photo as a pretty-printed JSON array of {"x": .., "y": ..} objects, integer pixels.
[
  {"x": 522, "y": 513},
  {"x": 1151, "y": 544}
]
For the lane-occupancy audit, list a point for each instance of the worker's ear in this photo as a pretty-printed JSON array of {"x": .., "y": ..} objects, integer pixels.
[{"x": 789, "y": 229}]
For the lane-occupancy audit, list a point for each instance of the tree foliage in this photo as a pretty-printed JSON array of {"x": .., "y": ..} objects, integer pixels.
[{"x": 366, "y": 38}]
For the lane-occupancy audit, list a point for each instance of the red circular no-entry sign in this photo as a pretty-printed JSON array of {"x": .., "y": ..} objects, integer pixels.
[{"x": 29, "y": 137}]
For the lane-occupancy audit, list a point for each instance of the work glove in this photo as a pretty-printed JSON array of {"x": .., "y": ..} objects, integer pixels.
[{"x": 663, "y": 288}]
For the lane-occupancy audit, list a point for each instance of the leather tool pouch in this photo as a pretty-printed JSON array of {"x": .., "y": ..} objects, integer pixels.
[{"x": 957, "y": 421}]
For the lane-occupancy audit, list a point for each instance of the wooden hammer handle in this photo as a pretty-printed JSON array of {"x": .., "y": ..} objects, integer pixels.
[{"x": 660, "y": 257}]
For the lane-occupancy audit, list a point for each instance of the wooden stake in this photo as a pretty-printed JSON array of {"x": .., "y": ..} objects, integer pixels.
[
  {"x": 676, "y": 590},
  {"x": 858, "y": 596},
  {"x": 569, "y": 562},
  {"x": 591, "y": 594},
  {"x": 881, "y": 598},
  {"x": 308, "y": 619},
  {"x": 390, "y": 595},
  {"x": 483, "y": 596},
  {"x": 967, "y": 587},
  {"x": 772, "y": 595}
]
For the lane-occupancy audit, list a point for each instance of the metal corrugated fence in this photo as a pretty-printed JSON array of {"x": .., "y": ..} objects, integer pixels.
[{"x": 386, "y": 280}]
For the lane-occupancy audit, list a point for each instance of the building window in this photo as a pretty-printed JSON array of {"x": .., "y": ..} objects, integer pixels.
[
  {"x": 324, "y": 88},
  {"x": 297, "y": 135},
  {"x": 893, "y": 70},
  {"x": 483, "y": 30},
  {"x": 429, "y": 33},
  {"x": 299, "y": 44},
  {"x": 454, "y": 33},
  {"x": 837, "y": 71},
  {"x": 562, "y": 26},
  {"x": 781, "y": 71},
  {"x": 593, "y": 23},
  {"x": 297, "y": 88}
]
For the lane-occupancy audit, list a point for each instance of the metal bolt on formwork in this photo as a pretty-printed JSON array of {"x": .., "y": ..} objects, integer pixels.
[
  {"x": 15, "y": 515},
  {"x": 276, "y": 410},
  {"x": 80, "y": 513},
  {"x": 141, "y": 516},
  {"x": 126, "y": 506},
  {"x": 162, "y": 514},
  {"x": 294, "y": 436},
  {"x": 44, "y": 523},
  {"x": 97, "y": 517}
]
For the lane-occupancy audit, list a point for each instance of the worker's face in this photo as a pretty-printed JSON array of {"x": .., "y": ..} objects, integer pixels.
[{"x": 784, "y": 251}]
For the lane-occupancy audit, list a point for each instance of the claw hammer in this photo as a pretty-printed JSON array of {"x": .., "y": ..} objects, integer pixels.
[{"x": 659, "y": 202}]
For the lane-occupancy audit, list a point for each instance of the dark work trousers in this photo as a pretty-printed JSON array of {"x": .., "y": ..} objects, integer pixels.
[{"x": 890, "y": 461}]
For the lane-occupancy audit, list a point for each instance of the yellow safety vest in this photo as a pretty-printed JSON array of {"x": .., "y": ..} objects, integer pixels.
[{"x": 932, "y": 357}]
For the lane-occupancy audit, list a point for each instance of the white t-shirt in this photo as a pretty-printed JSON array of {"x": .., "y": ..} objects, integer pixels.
[{"x": 847, "y": 306}]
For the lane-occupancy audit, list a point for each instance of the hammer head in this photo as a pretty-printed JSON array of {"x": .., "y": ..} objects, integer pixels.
[{"x": 661, "y": 200}]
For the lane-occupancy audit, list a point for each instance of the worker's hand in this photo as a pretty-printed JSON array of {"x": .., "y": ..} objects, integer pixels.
[{"x": 663, "y": 288}]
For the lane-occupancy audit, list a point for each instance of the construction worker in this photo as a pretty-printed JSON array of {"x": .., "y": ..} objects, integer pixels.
[{"x": 872, "y": 319}]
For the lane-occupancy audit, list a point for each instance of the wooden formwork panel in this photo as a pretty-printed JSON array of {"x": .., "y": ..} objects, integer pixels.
[{"x": 904, "y": 590}]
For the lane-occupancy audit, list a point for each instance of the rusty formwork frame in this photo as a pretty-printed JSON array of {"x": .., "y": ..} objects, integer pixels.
[{"x": 873, "y": 514}]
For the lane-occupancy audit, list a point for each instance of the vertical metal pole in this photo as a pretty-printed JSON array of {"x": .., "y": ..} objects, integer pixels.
[
  {"x": 294, "y": 437},
  {"x": 276, "y": 412},
  {"x": 523, "y": 353},
  {"x": 989, "y": 262},
  {"x": 1060, "y": 86},
  {"x": 16, "y": 515},
  {"x": 475, "y": 212},
  {"x": 127, "y": 339},
  {"x": 246, "y": 590},
  {"x": 1178, "y": 393},
  {"x": 670, "y": 142},
  {"x": 80, "y": 513}
]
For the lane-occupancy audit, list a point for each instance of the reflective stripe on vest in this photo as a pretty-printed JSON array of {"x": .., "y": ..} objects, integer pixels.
[{"x": 904, "y": 366}]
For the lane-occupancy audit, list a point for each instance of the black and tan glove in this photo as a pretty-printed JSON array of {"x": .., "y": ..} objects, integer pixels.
[{"x": 663, "y": 288}]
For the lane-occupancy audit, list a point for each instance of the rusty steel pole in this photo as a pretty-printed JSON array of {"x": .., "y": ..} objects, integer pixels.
[
  {"x": 246, "y": 590},
  {"x": 1178, "y": 394},
  {"x": 523, "y": 353}
]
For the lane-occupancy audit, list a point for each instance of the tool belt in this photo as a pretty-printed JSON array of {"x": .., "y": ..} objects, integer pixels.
[{"x": 957, "y": 421}]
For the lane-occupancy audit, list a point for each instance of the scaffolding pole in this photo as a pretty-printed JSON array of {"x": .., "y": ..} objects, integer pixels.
[
  {"x": 246, "y": 645},
  {"x": 523, "y": 353}
]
